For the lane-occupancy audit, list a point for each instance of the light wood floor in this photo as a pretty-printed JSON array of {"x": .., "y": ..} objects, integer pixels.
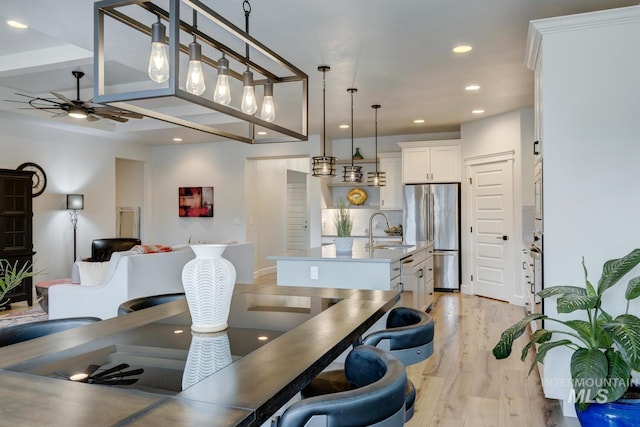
[{"x": 462, "y": 384}]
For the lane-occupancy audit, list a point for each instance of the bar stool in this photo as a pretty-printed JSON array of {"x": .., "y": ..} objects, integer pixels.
[
  {"x": 28, "y": 331},
  {"x": 408, "y": 336},
  {"x": 376, "y": 399},
  {"x": 146, "y": 302}
]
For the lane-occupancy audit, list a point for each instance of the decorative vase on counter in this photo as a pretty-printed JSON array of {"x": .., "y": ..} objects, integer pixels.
[
  {"x": 208, "y": 282},
  {"x": 357, "y": 155},
  {"x": 343, "y": 244},
  {"x": 208, "y": 353}
]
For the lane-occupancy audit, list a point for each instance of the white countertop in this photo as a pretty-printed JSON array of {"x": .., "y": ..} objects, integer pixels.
[{"x": 360, "y": 253}]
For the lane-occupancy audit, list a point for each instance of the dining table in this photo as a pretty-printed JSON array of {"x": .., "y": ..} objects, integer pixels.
[{"x": 149, "y": 368}]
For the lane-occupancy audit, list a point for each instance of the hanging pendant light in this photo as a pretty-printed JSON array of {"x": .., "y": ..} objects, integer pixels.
[
  {"x": 323, "y": 165},
  {"x": 158, "y": 70},
  {"x": 377, "y": 178},
  {"x": 195, "y": 76},
  {"x": 222, "y": 93},
  {"x": 268, "y": 112},
  {"x": 352, "y": 173},
  {"x": 249, "y": 104}
]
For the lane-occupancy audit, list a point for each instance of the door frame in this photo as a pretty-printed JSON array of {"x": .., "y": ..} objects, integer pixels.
[{"x": 467, "y": 286}]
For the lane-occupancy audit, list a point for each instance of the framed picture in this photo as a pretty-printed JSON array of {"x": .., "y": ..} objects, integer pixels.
[{"x": 195, "y": 202}]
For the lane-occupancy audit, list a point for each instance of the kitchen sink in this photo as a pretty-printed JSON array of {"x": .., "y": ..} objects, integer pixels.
[{"x": 393, "y": 246}]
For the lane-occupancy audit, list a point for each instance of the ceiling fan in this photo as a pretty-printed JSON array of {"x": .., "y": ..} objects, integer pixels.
[{"x": 77, "y": 108}]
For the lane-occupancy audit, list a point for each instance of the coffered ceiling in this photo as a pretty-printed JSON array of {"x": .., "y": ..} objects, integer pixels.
[{"x": 398, "y": 53}]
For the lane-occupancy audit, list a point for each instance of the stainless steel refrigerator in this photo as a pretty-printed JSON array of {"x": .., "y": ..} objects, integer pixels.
[{"x": 432, "y": 212}]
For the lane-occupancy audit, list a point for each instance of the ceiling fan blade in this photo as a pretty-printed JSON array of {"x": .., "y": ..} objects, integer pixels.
[
  {"x": 92, "y": 118},
  {"x": 118, "y": 112},
  {"x": 64, "y": 98},
  {"x": 111, "y": 116}
]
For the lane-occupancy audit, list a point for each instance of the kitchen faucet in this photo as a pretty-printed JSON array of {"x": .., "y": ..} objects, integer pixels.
[{"x": 371, "y": 227}]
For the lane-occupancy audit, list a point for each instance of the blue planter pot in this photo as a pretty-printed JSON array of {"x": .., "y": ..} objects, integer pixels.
[{"x": 621, "y": 413}]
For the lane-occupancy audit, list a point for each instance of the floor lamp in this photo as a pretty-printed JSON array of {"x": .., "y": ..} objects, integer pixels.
[{"x": 75, "y": 202}]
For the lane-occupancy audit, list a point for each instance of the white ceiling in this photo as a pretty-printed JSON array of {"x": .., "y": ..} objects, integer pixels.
[{"x": 396, "y": 52}]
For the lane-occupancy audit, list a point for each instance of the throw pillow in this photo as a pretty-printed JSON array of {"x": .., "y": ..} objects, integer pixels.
[
  {"x": 92, "y": 273},
  {"x": 150, "y": 249}
]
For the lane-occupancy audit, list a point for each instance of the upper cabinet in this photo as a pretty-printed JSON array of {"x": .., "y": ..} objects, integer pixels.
[
  {"x": 391, "y": 194},
  {"x": 432, "y": 161}
]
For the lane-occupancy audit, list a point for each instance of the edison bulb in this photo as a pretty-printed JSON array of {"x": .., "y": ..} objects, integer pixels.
[
  {"x": 268, "y": 113},
  {"x": 158, "y": 63},
  {"x": 222, "y": 94},
  {"x": 249, "y": 104},
  {"x": 195, "y": 79}
]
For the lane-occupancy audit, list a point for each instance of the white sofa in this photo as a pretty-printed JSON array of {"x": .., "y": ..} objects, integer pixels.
[{"x": 132, "y": 275}]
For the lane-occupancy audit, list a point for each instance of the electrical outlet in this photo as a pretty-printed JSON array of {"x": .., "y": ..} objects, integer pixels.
[{"x": 313, "y": 274}]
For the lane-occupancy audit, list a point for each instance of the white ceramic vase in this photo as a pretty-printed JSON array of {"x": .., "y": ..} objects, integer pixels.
[
  {"x": 343, "y": 244},
  {"x": 208, "y": 353},
  {"x": 208, "y": 282}
]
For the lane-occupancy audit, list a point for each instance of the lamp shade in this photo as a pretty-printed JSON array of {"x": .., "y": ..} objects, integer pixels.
[{"x": 75, "y": 201}]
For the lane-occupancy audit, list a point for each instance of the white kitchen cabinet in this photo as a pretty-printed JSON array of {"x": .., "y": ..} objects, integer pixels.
[
  {"x": 433, "y": 161},
  {"x": 391, "y": 194}
]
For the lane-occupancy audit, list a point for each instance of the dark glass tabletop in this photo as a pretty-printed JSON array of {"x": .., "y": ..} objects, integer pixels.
[{"x": 166, "y": 357}]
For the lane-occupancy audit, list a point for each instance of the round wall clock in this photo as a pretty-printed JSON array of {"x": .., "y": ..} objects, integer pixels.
[{"x": 39, "y": 178}]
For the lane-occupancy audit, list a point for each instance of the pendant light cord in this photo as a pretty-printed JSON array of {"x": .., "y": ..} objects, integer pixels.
[
  {"x": 246, "y": 6},
  {"x": 324, "y": 111},
  {"x": 351, "y": 90}
]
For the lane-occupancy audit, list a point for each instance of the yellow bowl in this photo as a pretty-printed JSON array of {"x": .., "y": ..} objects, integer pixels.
[{"x": 357, "y": 196}]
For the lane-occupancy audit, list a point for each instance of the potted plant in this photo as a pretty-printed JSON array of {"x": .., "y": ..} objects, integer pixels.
[
  {"x": 605, "y": 345},
  {"x": 10, "y": 277},
  {"x": 344, "y": 223}
]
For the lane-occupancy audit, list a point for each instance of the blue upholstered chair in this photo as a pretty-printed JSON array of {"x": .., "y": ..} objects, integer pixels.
[
  {"x": 377, "y": 398},
  {"x": 146, "y": 302},
  {"x": 408, "y": 336},
  {"x": 28, "y": 331}
]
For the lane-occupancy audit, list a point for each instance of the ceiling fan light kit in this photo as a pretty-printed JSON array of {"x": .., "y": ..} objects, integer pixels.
[{"x": 215, "y": 36}]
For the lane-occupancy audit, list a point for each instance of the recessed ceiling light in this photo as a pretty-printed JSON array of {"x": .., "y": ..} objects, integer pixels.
[
  {"x": 178, "y": 331},
  {"x": 344, "y": 126},
  {"x": 16, "y": 24},
  {"x": 261, "y": 132},
  {"x": 462, "y": 48},
  {"x": 472, "y": 87},
  {"x": 478, "y": 111},
  {"x": 263, "y": 338},
  {"x": 417, "y": 121},
  {"x": 177, "y": 139}
]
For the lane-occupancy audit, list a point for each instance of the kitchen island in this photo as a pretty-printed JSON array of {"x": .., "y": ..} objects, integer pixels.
[{"x": 379, "y": 268}]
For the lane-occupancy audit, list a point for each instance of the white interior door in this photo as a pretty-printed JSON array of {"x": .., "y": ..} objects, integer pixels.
[
  {"x": 297, "y": 222},
  {"x": 491, "y": 204}
]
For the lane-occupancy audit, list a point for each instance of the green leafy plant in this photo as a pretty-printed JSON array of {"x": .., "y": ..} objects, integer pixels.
[
  {"x": 605, "y": 348},
  {"x": 11, "y": 276},
  {"x": 343, "y": 219}
]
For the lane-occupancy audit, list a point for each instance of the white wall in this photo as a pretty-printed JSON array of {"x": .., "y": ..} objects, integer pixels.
[
  {"x": 590, "y": 104},
  {"x": 509, "y": 132},
  {"x": 221, "y": 165},
  {"x": 73, "y": 163}
]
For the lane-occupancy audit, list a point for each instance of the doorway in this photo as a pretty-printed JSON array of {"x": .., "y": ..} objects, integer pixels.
[
  {"x": 297, "y": 218},
  {"x": 492, "y": 228}
]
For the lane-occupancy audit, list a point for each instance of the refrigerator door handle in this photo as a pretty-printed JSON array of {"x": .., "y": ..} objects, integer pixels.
[{"x": 430, "y": 232}]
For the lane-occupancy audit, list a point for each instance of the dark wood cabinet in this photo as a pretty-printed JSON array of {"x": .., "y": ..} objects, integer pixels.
[{"x": 16, "y": 219}]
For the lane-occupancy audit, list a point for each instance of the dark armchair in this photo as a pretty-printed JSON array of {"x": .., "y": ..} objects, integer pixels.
[{"x": 101, "y": 249}]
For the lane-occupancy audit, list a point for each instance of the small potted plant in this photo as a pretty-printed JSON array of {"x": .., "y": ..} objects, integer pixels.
[
  {"x": 344, "y": 223},
  {"x": 11, "y": 276},
  {"x": 605, "y": 345}
]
